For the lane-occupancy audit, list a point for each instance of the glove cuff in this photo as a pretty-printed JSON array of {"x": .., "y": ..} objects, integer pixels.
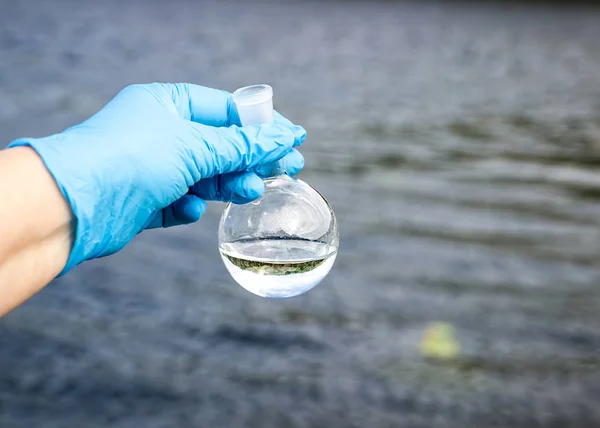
[{"x": 44, "y": 147}]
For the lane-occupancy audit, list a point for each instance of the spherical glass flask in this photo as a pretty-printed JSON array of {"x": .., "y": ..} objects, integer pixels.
[{"x": 285, "y": 242}]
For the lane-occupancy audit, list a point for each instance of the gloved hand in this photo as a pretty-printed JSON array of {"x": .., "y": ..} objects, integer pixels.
[{"x": 152, "y": 156}]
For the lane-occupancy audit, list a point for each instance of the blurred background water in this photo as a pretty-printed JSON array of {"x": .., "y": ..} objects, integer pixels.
[{"x": 460, "y": 147}]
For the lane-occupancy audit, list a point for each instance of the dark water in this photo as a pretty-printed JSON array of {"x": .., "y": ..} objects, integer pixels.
[{"x": 460, "y": 148}]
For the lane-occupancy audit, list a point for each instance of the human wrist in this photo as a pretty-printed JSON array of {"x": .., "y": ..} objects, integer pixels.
[
  {"x": 56, "y": 171},
  {"x": 41, "y": 215}
]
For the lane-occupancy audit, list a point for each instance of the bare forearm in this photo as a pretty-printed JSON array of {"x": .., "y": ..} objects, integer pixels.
[{"x": 35, "y": 227}]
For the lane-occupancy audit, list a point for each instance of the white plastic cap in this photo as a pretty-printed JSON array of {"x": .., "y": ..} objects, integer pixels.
[{"x": 254, "y": 104}]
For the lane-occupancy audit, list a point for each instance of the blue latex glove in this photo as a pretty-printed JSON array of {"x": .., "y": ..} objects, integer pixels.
[{"x": 152, "y": 156}]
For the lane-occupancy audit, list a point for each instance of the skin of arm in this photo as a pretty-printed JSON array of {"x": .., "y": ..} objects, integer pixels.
[{"x": 35, "y": 227}]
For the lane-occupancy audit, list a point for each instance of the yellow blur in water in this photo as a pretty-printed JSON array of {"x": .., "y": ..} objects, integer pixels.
[{"x": 439, "y": 342}]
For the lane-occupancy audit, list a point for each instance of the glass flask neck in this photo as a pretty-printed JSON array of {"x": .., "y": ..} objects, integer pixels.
[
  {"x": 255, "y": 107},
  {"x": 270, "y": 170}
]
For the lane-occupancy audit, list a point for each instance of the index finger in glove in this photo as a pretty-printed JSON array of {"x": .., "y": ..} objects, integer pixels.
[
  {"x": 223, "y": 150},
  {"x": 241, "y": 187}
]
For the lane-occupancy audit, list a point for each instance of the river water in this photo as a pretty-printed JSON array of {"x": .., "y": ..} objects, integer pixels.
[{"x": 460, "y": 148}]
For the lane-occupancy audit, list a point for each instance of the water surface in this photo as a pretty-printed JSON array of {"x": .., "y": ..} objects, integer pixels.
[{"x": 460, "y": 148}]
